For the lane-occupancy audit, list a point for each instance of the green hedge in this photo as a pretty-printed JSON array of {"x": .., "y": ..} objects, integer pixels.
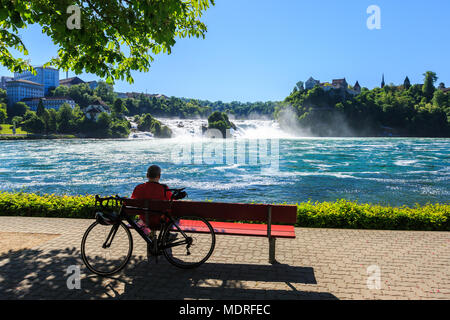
[
  {"x": 349, "y": 214},
  {"x": 47, "y": 205},
  {"x": 339, "y": 214}
]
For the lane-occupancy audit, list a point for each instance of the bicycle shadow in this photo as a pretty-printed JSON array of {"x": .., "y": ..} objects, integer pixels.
[{"x": 37, "y": 274}]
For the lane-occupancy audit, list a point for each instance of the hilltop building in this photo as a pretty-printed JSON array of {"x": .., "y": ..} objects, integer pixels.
[
  {"x": 339, "y": 83},
  {"x": 311, "y": 83},
  {"x": 3, "y": 81},
  {"x": 30, "y": 88},
  {"x": 336, "y": 84},
  {"x": 48, "y": 102},
  {"x": 68, "y": 82},
  {"x": 122, "y": 95},
  {"x": 136, "y": 95},
  {"x": 93, "y": 110},
  {"x": 93, "y": 84},
  {"x": 16, "y": 90},
  {"x": 48, "y": 77}
]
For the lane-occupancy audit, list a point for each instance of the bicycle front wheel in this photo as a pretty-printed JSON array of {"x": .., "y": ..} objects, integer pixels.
[
  {"x": 106, "y": 249},
  {"x": 188, "y": 242}
]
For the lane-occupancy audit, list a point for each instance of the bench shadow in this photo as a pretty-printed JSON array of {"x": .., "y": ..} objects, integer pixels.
[{"x": 34, "y": 274}]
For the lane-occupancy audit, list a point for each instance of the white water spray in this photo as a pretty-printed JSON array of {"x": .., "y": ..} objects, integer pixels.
[{"x": 245, "y": 129}]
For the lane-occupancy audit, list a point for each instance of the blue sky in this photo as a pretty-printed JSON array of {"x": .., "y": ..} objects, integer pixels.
[{"x": 256, "y": 50}]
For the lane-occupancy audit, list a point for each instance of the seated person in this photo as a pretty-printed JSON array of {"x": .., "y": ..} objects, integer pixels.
[{"x": 151, "y": 189}]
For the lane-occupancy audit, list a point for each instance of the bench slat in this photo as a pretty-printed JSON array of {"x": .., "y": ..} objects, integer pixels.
[
  {"x": 241, "y": 229},
  {"x": 220, "y": 210}
]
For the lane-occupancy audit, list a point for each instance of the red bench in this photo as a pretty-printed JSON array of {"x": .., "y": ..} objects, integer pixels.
[{"x": 271, "y": 215}]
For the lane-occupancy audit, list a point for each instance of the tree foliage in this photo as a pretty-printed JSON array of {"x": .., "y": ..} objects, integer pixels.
[
  {"x": 116, "y": 36},
  {"x": 17, "y": 109},
  {"x": 428, "y": 85},
  {"x": 407, "y": 83},
  {"x": 392, "y": 110},
  {"x": 219, "y": 120},
  {"x": 3, "y": 114},
  {"x": 40, "y": 109},
  {"x": 147, "y": 123}
]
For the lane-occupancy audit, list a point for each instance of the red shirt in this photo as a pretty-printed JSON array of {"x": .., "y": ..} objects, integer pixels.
[
  {"x": 151, "y": 190},
  {"x": 154, "y": 191}
]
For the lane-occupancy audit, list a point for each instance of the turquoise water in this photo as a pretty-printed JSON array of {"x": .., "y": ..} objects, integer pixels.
[{"x": 393, "y": 171}]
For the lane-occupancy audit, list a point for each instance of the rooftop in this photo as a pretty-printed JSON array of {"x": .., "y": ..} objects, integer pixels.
[
  {"x": 69, "y": 80},
  {"x": 98, "y": 102},
  {"x": 24, "y": 81}
]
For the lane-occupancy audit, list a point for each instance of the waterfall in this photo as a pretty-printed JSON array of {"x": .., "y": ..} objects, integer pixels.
[{"x": 245, "y": 129}]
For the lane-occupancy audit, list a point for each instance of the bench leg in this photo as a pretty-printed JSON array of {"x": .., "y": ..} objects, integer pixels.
[
  {"x": 149, "y": 253},
  {"x": 150, "y": 256},
  {"x": 272, "y": 250}
]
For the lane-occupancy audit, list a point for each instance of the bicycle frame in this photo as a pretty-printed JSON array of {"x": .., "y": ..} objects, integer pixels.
[
  {"x": 114, "y": 211},
  {"x": 153, "y": 243}
]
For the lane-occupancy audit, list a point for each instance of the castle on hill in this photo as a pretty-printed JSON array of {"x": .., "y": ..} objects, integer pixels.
[{"x": 336, "y": 84}]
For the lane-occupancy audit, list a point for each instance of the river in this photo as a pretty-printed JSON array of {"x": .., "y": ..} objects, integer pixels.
[{"x": 289, "y": 168}]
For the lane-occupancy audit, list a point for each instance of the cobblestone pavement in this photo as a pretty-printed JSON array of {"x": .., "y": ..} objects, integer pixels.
[{"x": 318, "y": 264}]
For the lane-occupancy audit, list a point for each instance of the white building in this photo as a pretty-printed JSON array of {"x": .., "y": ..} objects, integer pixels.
[
  {"x": 92, "y": 111},
  {"x": 311, "y": 83},
  {"x": 48, "y": 102}
]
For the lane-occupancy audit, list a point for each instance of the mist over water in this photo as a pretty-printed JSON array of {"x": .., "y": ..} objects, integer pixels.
[
  {"x": 288, "y": 119},
  {"x": 393, "y": 171}
]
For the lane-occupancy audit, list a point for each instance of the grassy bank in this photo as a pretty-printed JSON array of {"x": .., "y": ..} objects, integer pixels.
[
  {"x": 37, "y": 137},
  {"x": 7, "y": 134},
  {"x": 7, "y": 129},
  {"x": 339, "y": 214}
]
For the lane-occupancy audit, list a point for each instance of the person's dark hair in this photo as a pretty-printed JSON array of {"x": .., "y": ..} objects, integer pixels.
[{"x": 153, "y": 172}]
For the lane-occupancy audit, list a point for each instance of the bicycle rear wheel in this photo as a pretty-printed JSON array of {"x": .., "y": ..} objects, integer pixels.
[
  {"x": 188, "y": 242},
  {"x": 106, "y": 260}
]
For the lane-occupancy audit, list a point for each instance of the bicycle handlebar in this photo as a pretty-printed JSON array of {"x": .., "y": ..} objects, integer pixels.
[
  {"x": 176, "y": 190},
  {"x": 176, "y": 195}
]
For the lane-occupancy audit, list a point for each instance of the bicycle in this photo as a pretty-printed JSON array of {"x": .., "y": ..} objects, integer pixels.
[{"x": 107, "y": 245}]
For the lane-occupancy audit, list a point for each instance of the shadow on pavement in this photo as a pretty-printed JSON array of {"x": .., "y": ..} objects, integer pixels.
[{"x": 34, "y": 274}]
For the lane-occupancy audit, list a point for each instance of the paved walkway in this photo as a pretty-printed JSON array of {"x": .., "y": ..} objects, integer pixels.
[{"x": 318, "y": 264}]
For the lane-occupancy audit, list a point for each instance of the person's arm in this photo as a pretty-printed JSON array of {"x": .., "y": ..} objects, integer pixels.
[{"x": 167, "y": 193}]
